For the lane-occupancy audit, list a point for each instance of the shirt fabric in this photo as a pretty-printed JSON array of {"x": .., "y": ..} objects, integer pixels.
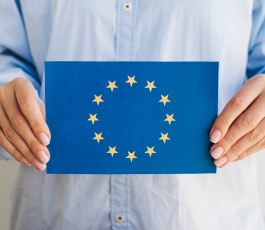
[{"x": 231, "y": 32}]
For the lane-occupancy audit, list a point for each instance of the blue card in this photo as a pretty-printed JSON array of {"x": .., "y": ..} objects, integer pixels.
[{"x": 130, "y": 117}]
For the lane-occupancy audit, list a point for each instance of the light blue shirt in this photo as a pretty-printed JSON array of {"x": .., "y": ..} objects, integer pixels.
[{"x": 230, "y": 32}]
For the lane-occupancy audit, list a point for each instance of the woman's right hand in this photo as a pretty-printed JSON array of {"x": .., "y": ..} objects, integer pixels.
[{"x": 23, "y": 131}]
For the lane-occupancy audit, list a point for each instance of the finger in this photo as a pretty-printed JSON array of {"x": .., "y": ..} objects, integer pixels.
[
  {"x": 246, "y": 122},
  {"x": 42, "y": 108},
  {"x": 250, "y": 139},
  {"x": 13, "y": 137},
  {"x": 29, "y": 105},
  {"x": 253, "y": 149},
  {"x": 21, "y": 126},
  {"x": 243, "y": 98},
  {"x": 5, "y": 144},
  {"x": 17, "y": 142}
]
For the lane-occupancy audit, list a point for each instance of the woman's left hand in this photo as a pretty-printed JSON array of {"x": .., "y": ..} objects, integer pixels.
[{"x": 239, "y": 130}]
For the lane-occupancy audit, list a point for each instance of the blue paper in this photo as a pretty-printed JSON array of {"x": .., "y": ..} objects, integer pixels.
[{"x": 130, "y": 117}]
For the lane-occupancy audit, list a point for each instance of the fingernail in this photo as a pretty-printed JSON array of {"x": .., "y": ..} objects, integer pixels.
[
  {"x": 24, "y": 160},
  {"x": 43, "y": 157},
  {"x": 221, "y": 161},
  {"x": 39, "y": 165},
  {"x": 217, "y": 152},
  {"x": 44, "y": 139},
  {"x": 216, "y": 135}
]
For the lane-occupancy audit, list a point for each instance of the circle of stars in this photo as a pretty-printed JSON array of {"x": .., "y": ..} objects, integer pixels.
[{"x": 131, "y": 80}]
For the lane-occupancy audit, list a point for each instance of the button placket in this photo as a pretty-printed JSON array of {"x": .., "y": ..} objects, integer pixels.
[
  {"x": 125, "y": 30},
  {"x": 120, "y": 201},
  {"x": 124, "y": 51}
]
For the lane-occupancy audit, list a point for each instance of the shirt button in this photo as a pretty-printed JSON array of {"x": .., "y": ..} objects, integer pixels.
[
  {"x": 127, "y": 6},
  {"x": 120, "y": 218}
]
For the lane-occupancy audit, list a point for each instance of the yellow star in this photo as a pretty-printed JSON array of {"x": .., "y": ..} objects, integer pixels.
[
  {"x": 164, "y": 137},
  {"x": 164, "y": 99},
  {"x": 112, "y": 85},
  {"x": 170, "y": 118},
  {"x": 131, "y": 80},
  {"x": 131, "y": 155},
  {"x": 98, "y": 137},
  {"x": 98, "y": 99},
  {"x": 93, "y": 118},
  {"x": 150, "y": 85},
  {"x": 150, "y": 151},
  {"x": 112, "y": 151}
]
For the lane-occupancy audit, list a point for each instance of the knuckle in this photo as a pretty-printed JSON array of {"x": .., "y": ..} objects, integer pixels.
[
  {"x": 2, "y": 140},
  {"x": 232, "y": 154},
  {"x": 18, "y": 121},
  {"x": 19, "y": 80},
  {"x": 26, "y": 104},
  {"x": 15, "y": 153},
  {"x": 242, "y": 156},
  {"x": 255, "y": 136},
  {"x": 28, "y": 155},
  {"x": 37, "y": 125},
  {"x": 260, "y": 78},
  {"x": 248, "y": 120},
  {"x": 221, "y": 122},
  {"x": 261, "y": 144},
  {"x": 10, "y": 133},
  {"x": 2, "y": 91},
  {"x": 237, "y": 102},
  {"x": 33, "y": 144},
  {"x": 229, "y": 139}
]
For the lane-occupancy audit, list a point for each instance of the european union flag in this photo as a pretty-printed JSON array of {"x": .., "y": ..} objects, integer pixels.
[{"x": 130, "y": 117}]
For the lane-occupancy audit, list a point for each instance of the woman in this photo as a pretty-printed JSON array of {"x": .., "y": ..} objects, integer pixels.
[{"x": 231, "y": 32}]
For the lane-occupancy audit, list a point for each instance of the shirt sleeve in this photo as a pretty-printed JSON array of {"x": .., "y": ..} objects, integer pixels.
[
  {"x": 15, "y": 56},
  {"x": 256, "y": 55}
]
